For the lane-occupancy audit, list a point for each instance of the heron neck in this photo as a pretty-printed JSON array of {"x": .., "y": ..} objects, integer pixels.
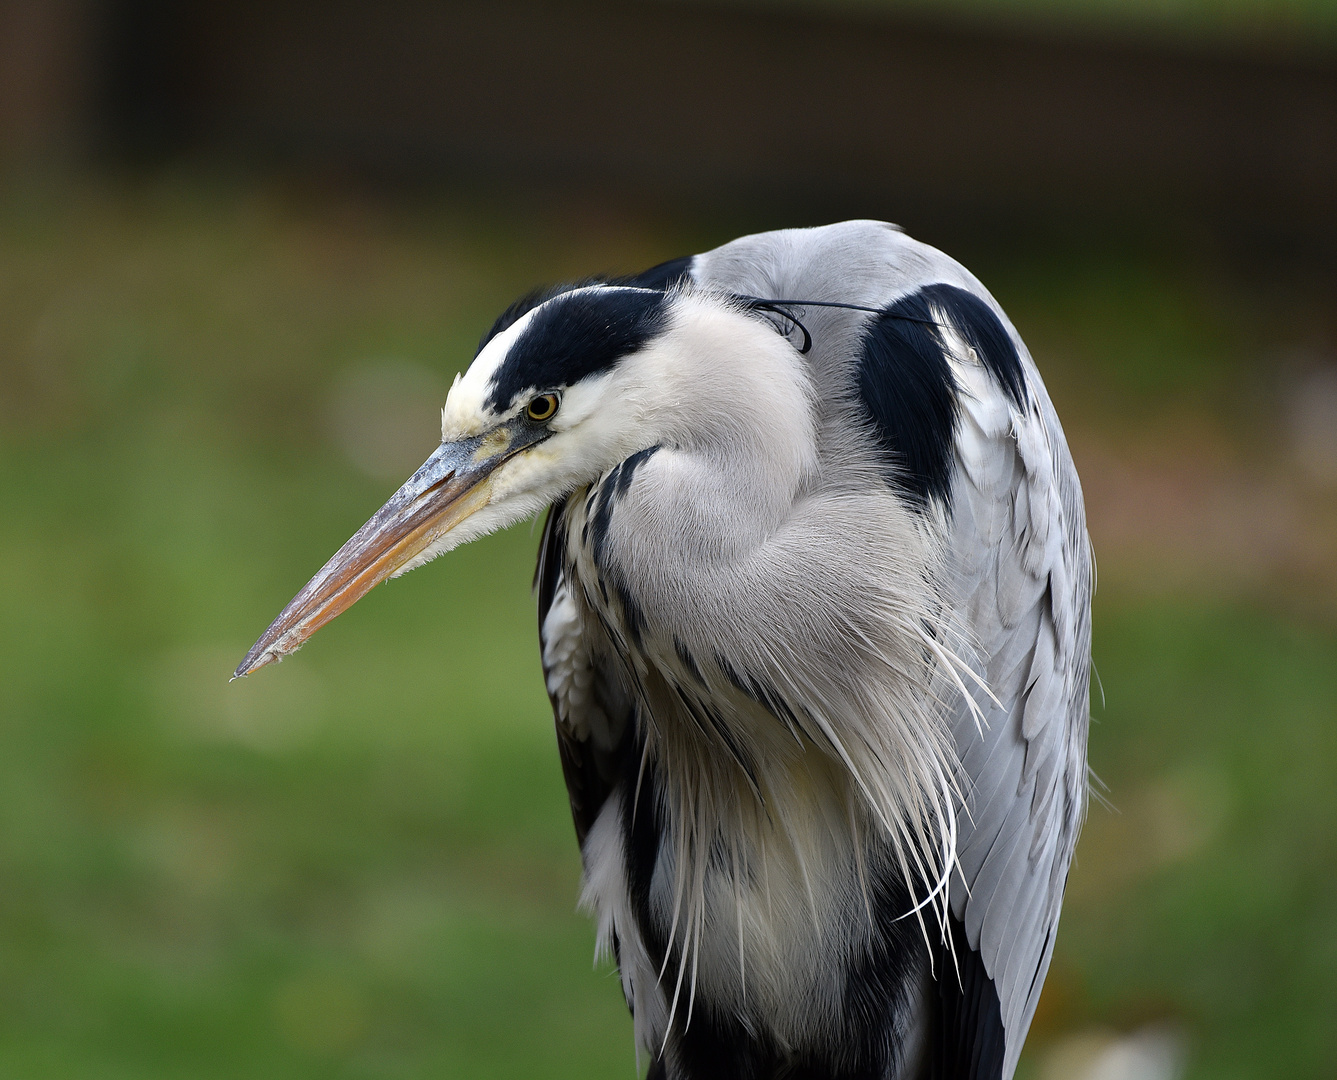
[{"x": 740, "y": 442}]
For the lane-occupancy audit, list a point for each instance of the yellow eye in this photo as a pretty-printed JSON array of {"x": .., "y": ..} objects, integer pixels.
[{"x": 541, "y": 408}]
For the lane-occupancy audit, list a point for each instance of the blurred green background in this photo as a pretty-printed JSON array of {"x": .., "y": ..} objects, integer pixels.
[{"x": 360, "y": 863}]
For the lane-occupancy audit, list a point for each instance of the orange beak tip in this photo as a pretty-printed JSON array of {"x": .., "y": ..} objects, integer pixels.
[
  {"x": 447, "y": 489},
  {"x": 253, "y": 663}
]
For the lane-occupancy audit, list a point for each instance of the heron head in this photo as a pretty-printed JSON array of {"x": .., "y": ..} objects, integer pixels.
[{"x": 558, "y": 394}]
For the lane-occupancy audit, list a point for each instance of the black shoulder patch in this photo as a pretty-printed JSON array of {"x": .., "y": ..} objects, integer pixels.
[
  {"x": 905, "y": 381},
  {"x": 967, "y": 1040},
  {"x": 906, "y": 385},
  {"x": 576, "y": 335}
]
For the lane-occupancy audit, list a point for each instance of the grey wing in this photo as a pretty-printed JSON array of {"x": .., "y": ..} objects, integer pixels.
[
  {"x": 1022, "y": 586},
  {"x": 1022, "y": 580},
  {"x": 591, "y": 716}
]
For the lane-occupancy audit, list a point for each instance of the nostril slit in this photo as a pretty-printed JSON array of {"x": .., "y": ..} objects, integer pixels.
[{"x": 440, "y": 483}]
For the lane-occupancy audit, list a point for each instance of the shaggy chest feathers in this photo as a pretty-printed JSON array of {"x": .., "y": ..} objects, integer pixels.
[{"x": 742, "y": 869}]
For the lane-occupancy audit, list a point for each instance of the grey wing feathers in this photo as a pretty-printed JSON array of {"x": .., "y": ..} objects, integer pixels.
[
  {"x": 1022, "y": 575},
  {"x": 1022, "y": 590}
]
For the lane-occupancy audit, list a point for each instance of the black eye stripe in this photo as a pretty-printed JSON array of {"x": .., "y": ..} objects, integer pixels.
[{"x": 575, "y": 335}]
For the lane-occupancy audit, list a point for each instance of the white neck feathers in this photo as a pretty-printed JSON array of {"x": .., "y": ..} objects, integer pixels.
[{"x": 730, "y": 401}]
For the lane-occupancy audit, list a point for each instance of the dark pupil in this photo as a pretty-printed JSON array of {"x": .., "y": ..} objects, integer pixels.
[{"x": 540, "y": 408}]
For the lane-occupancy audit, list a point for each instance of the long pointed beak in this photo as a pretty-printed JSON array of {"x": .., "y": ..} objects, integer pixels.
[{"x": 452, "y": 484}]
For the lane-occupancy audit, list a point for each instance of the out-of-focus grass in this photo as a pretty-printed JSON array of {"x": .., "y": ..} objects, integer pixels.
[
  {"x": 359, "y": 863},
  {"x": 1205, "y": 897}
]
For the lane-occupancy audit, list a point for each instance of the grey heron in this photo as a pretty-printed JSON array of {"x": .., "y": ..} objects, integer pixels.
[{"x": 814, "y": 609}]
